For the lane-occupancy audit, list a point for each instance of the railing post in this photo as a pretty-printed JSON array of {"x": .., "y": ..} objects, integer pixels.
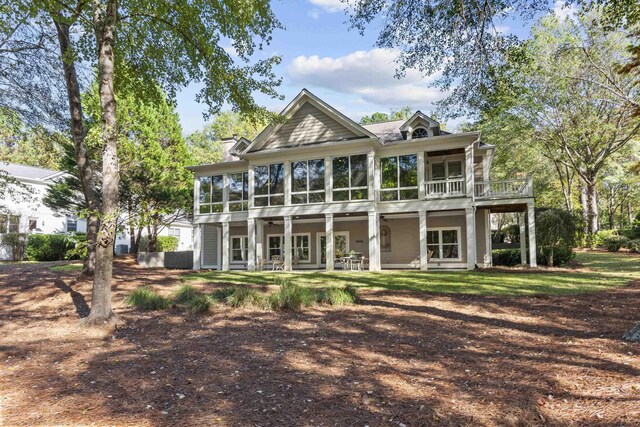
[{"x": 530, "y": 186}]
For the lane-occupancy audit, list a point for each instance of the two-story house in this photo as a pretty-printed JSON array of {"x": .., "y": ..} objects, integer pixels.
[{"x": 318, "y": 186}]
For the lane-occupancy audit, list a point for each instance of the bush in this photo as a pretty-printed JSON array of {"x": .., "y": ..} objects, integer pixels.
[
  {"x": 614, "y": 243},
  {"x": 163, "y": 244},
  {"x": 16, "y": 242},
  {"x": 185, "y": 294},
  {"x": 220, "y": 295},
  {"x": 561, "y": 256},
  {"x": 146, "y": 299},
  {"x": 601, "y": 236},
  {"x": 243, "y": 296},
  {"x": 291, "y": 296},
  {"x": 199, "y": 304},
  {"x": 337, "y": 296},
  {"x": 555, "y": 235},
  {"x": 506, "y": 257},
  {"x": 633, "y": 245},
  {"x": 52, "y": 247}
]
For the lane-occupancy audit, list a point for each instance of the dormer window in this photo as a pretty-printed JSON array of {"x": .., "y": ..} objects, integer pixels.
[{"x": 419, "y": 133}]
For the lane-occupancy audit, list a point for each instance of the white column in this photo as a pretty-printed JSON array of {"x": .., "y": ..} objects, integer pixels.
[
  {"x": 468, "y": 173},
  {"x": 251, "y": 241},
  {"x": 531, "y": 219},
  {"x": 196, "y": 195},
  {"x": 287, "y": 242},
  {"x": 471, "y": 238},
  {"x": 287, "y": 182},
  {"x": 251, "y": 179},
  {"x": 421, "y": 175},
  {"x": 371, "y": 175},
  {"x": 197, "y": 246},
  {"x": 225, "y": 246},
  {"x": 523, "y": 238},
  {"x": 424, "y": 251},
  {"x": 225, "y": 193},
  {"x": 330, "y": 255},
  {"x": 328, "y": 179},
  {"x": 374, "y": 241},
  {"x": 488, "y": 258},
  {"x": 259, "y": 238}
]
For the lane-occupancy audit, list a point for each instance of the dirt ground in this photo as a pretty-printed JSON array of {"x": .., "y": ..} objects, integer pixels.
[{"x": 399, "y": 359}]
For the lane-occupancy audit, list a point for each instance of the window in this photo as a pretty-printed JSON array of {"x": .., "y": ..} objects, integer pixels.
[
  {"x": 269, "y": 185},
  {"x": 350, "y": 178},
  {"x": 399, "y": 178},
  {"x": 276, "y": 245},
  {"x": 444, "y": 243},
  {"x": 307, "y": 182},
  {"x": 9, "y": 223},
  {"x": 174, "y": 231},
  {"x": 340, "y": 245},
  {"x": 211, "y": 188},
  {"x": 419, "y": 133},
  {"x": 385, "y": 238},
  {"x": 239, "y": 248},
  {"x": 33, "y": 224},
  {"x": 238, "y": 191},
  {"x": 300, "y": 244},
  {"x": 72, "y": 225},
  {"x": 451, "y": 169}
]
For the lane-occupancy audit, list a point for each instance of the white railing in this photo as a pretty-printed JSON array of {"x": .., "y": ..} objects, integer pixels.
[
  {"x": 508, "y": 188},
  {"x": 445, "y": 188}
]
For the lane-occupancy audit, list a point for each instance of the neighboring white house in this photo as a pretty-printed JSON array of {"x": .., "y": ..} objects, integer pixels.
[
  {"x": 404, "y": 194},
  {"x": 30, "y": 215}
]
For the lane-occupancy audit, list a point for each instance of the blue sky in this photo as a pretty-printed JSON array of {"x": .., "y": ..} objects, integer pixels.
[{"x": 339, "y": 65}]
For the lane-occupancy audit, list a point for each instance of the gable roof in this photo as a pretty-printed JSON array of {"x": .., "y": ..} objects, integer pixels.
[
  {"x": 29, "y": 172},
  {"x": 418, "y": 115},
  {"x": 386, "y": 131},
  {"x": 304, "y": 112}
]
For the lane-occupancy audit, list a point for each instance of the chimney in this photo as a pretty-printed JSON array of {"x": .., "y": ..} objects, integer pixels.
[{"x": 227, "y": 144}]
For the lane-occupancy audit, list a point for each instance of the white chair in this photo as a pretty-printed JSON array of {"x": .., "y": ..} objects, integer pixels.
[{"x": 277, "y": 263}]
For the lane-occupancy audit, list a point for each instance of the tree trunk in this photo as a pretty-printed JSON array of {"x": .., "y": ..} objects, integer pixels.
[
  {"x": 551, "y": 257},
  {"x": 85, "y": 174},
  {"x": 104, "y": 20},
  {"x": 592, "y": 207}
]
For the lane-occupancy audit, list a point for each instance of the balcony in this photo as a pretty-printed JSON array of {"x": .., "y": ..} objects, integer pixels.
[
  {"x": 506, "y": 189},
  {"x": 445, "y": 188}
]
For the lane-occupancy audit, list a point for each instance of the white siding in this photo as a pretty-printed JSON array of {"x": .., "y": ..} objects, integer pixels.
[{"x": 210, "y": 247}]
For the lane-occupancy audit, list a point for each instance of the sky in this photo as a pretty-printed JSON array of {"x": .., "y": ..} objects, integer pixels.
[{"x": 320, "y": 53}]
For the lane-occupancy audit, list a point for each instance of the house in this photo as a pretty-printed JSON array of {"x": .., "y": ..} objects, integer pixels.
[
  {"x": 404, "y": 194},
  {"x": 24, "y": 211}
]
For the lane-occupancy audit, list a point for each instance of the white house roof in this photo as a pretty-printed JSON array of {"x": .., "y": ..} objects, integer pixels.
[{"x": 29, "y": 172}]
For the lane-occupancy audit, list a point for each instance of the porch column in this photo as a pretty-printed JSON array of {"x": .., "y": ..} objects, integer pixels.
[
  {"x": 328, "y": 179},
  {"x": 259, "y": 237},
  {"x": 424, "y": 251},
  {"x": 471, "y": 238},
  {"x": 372, "y": 175},
  {"x": 225, "y": 193},
  {"x": 287, "y": 242},
  {"x": 374, "y": 241},
  {"x": 251, "y": 241},
  {"x": 531, "y": 219},
  {"x": 197, "y": 246},
  {"x": 225, "y": 246},
  {"x": 523, "y": 238},
  {"x": 330, "y": 256},
  {"x": 251, "y": 179},
  {"x": 468, "y": 172},
  {"x": 287, "y": 182},
  {"x": 421, "y": 175},
  {"x": 488, "y": 261}
]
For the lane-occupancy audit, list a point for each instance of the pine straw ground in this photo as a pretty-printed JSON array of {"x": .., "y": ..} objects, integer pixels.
[{"x": 400, "y": 358}]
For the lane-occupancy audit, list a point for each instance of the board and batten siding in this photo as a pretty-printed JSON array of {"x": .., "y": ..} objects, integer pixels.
[
  {"x": 308, "y": 125},
  {"x": 210, "y": 246}
]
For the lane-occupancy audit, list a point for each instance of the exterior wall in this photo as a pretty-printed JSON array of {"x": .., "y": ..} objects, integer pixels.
[
  {"x": 405, "y": 242},
  {"x": 481, "y": 239},
  {"x": 457, "y": 219},
  {"x": 306, "y": 126}
]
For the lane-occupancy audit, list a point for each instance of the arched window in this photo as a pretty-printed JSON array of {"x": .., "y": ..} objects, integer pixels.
[
  {"x": 385, "y": 238},
  {"x": 419, "y": 133}
]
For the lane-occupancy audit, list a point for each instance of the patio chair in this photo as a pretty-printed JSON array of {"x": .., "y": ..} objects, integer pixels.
[
  {"x": 357, "y": 264},
  {"x": 277, "y": 263},
  {"x": 260, "y": 263}
]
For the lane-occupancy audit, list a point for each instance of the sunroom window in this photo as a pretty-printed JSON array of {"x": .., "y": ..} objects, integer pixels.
[
  {"x": 451, "y": 169},
  {"x": 444, "y": 243},
  {"x": 211, "y": 188},
  {"x": 269, "y": 185},
  {"x": 238, "y": 191},
  {"x": 350, "y": 178},
  {"x": 307, "y": 182},
  {"x": 399, "y": 178}
]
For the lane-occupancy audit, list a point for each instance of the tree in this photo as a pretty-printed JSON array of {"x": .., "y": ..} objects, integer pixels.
[
  {"x": 403, "y": 113},
  {"x": 555, "y": 230},
  {"x": 205, "y": 145}
]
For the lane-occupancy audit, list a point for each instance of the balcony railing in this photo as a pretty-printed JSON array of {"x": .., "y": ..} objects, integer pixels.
[
  {"x": 505, "y": 189},
  {"x": 445, "y": 188}
]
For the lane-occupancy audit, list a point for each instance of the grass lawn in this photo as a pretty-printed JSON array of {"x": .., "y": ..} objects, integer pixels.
[
  {"x": 601, "y": 271},
  {"x": 67, "y": 267}
]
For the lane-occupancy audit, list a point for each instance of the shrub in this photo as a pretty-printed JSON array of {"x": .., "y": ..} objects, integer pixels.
[
  {"x": 555, "y": 233},
  {"x": 506, "y": 257},
  {"x": 51, "y": 247},
  {"x": 601, "y": 236},
  {"x": 561, "y": 256},
  {"x": 146, "y": 299},
  {"x": 185, "y": 294},
  {"x": 614, "y": 243},
  {"x": 220, "y": 295},
  {"x": 335, "y": 295},
  {"x": 291, "y": 296},
  {"x": 16, "y": 242},
  {"x": 199, "y": 304},
  {"x": 633, "y": 245},
  {"x": 243, "y": 296},
  {"x": 163, "y": 243}
]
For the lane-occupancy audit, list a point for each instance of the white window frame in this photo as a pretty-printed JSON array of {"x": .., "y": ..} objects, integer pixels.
[
  {"x": 211, "y": 203},
  {"x": 72, "y": 220},
  {"x": 6, "y": 217},
  {"x": 446, "y": 168},
  {"x": 417, "y": 128},
  {"x": 350, "y": 188},
  {"x": 293, "y": 236},
  {"x": 308, "y": 192},
  {"x": 319, "y": 246},
  {"x": 243, "y": 201},
  {"x": 439, "y": 258},
  {"x": 269, "y": 195},
  {"x": 244, "y": 248},
  {"x": 397, "y": 188},
  {"x": 172, "y": 232}
]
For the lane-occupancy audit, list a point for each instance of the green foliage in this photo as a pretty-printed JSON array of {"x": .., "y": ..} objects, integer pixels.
[
  {"x": 199, "y": 304},
  {"x": 220, "y": 295},
  {"x": 185, "y": 294},
  {"x": 506, "y": 257},
  {"x": 16, "y": 242},
  {"x": 54, "y": 247},
  {"x": 163, "y": 243},
  {"x": 146, "y": 299},
  {"x": 402, "y": 114},
  {"x": 555, "y": 233},
  {"x": 633, "y": 245},
  {"x": 243, "y": 296},
  {"x": 561, "y": 256},
  {"x": 337, "y": 296},
  {"x": 601, "y": 236},
  {"x": 290, "y": 296},
  {"x": 614, "y": 243}
]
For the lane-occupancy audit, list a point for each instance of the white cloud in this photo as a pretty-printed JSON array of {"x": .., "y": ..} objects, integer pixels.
[
  {"x": 564, "y": 11},
  {"x": 367, "y": 74},
  {"x": 502, "y": 29},
  {"x": 314, "y": 14},
  {"x": 329, "y": 5}
]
